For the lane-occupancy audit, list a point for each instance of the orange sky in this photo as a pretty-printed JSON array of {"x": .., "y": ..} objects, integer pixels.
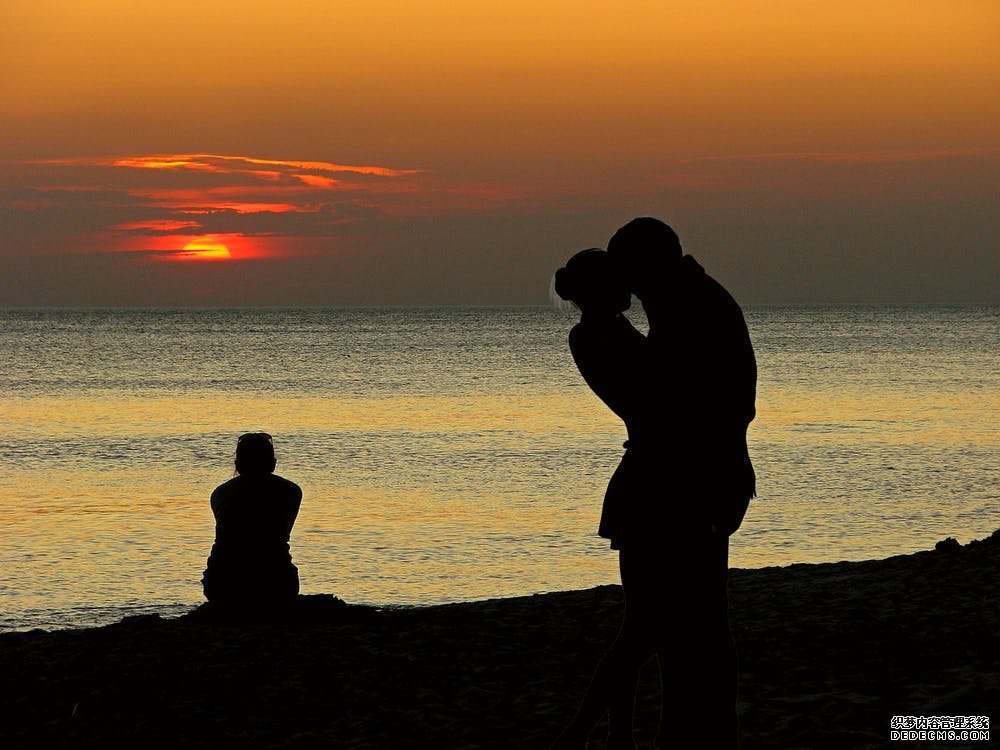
[{"x": 778, "y": 137}]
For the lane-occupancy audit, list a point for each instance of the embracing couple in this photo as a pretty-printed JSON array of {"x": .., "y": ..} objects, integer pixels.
[{"x": 686, "y": 394}]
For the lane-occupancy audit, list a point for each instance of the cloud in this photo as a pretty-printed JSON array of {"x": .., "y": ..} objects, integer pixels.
[
  {"x": 127, "y": 199},
  {"x": 42, "y": 212},
  {"x": 227, "y": 164},
  {"x": 315, "y": 180},
  {"x": 319, "y": 220}
]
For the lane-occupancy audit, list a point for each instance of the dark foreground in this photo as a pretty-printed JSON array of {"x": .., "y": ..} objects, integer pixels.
[{"x": 828, "y": 652}]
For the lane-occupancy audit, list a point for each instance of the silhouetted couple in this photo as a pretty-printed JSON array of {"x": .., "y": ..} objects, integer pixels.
[
  {"x": 250, "y": 568},
  {"x": 686, "y": 394}
]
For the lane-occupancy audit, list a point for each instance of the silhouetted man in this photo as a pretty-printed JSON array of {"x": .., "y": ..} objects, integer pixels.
[{"x": 703, "y": 387}]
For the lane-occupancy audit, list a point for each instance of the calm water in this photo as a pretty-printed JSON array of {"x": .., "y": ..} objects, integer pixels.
[{"x": 450, "y": 454}]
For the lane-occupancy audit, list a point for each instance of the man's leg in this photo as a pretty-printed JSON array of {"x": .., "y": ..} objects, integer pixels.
[{"x": 698, "y": 658}]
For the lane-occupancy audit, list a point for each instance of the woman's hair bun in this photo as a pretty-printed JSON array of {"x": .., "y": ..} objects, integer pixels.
[
  {"x": 566, "y": 284},
  {"x": 586, "y": 271}
]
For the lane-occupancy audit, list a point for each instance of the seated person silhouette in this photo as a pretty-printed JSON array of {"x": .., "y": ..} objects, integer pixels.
[{"x": 250, "y": 566}]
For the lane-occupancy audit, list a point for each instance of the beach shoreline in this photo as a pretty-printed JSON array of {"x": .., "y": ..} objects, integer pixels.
[{"x": 829, "y": 653}]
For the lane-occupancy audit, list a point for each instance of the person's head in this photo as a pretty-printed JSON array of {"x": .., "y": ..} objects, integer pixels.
[
  {"x": 254, "y": 454},
  {"x": 592, "y": 281},
  {"x": 648, "y": 251}
]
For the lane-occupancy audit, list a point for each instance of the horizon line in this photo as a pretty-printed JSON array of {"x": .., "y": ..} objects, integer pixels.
[{"x": 418, "y": 306}]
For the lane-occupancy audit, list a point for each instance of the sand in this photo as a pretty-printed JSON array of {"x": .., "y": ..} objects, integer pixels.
[{"x": 828, "y": 654}]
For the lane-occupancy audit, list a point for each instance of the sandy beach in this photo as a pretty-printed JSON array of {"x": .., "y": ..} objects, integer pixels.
[{"x": 829, "y": 653}]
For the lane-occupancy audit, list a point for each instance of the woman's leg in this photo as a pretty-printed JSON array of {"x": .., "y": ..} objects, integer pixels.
[
  {"x": 613, "y": 684},
  {"x": 621, "y": 711},
  {"x": 639, "y": 584}
]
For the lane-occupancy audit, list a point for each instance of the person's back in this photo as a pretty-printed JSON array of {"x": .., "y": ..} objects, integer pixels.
[
  {"x": 255, "y": 511},
  {"x": 706, "y": 345},
  {"x": 707, "y": 327},
  {"x": 250, "y": 562}
]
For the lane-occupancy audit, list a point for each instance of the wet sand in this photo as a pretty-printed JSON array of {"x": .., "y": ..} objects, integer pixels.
[{"x": 828, "y": 654}]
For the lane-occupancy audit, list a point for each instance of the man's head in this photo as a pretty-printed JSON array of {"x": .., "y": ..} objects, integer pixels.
[{"x": 648, "y": 251}]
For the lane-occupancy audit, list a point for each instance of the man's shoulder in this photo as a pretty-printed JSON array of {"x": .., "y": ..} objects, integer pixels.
[
  {"x": 713, "y": 297},
  {"x": 701, "y": 283}
]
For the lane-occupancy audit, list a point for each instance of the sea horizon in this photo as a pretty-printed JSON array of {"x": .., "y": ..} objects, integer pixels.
[{"x": 423, "y": 306}]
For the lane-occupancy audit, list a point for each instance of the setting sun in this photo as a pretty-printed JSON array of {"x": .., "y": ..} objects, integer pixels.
[{"x": 204, "y": 248}]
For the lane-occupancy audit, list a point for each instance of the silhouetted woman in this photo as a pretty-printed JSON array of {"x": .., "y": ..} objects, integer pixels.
[
  {"x": 250, "y": 565},
  {"x": 610, "y": 354}
]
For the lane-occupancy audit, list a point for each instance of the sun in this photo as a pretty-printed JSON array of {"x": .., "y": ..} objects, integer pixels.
[{"x": 204, "y": 248}]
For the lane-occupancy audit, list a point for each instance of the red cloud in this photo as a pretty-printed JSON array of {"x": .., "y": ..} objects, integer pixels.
[{"x": 173, "y": 198}]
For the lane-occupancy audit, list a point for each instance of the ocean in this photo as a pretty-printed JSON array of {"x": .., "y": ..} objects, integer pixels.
[{"x": 452, "y": 454}]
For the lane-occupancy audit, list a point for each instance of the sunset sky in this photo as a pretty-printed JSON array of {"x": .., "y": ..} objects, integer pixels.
[{"x": 327, "y": 152}]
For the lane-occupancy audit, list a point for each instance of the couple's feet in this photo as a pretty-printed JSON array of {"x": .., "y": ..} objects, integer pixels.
[{"x": 574, "y": 741}]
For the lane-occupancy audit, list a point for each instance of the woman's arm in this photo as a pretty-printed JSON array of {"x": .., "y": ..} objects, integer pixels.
[
  {"x": 294, "y": 503},
  {"x": 217, "y": 500},
  {"x": 613, "y": 365}
]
